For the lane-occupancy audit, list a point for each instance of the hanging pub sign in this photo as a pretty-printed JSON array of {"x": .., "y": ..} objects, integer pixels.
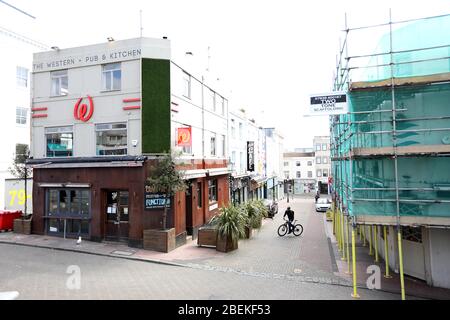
[
  {"x": 250, "y": 156},
  {"x": 328, "y": 104},
  {"x": 155, "y": 200},
  {"x": 184, "y": 137}
]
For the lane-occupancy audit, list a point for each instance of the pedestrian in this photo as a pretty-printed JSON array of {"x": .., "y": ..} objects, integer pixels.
[{"x": 317, "y": 195}]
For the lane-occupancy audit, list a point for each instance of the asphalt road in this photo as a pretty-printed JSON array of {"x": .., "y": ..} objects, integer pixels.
[{"x": 43, "y": 274}]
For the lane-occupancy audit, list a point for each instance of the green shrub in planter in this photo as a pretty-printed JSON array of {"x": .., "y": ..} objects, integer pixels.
[{"x": 231, "y": 226}]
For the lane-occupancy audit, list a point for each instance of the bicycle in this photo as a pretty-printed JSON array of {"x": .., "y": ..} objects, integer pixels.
[{"x": 283, "y": 229}]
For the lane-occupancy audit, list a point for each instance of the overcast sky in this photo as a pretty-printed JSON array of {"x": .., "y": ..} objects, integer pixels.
[{"x": 271, "y": 55}]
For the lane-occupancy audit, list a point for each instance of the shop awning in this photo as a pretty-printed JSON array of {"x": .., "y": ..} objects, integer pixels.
[
  {"x": 218, "y": 171},
  {"x": 193, "y": 174},
  {"x": 88, "y": 162}
]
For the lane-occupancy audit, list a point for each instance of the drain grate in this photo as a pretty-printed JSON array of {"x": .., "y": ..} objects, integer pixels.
[{"x": 123, "y": 253}]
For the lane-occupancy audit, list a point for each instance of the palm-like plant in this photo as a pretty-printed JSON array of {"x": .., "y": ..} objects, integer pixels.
[
  {"x": 253, "y": 214},
  {"x": 230, "y": 222},
  {"x": 261, "y": 207}
]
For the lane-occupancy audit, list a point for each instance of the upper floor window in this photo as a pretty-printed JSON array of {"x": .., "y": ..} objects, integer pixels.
[
  {"x": 233, "y": 129},
  {"x": 223, "y": 146},
  {"x": 111, "y": 77},
  {"x": 309, "y": 174},
  {"x": 286, "y": 174},
  {"x": 325, "y": 173},
  {"x": 186, "y": 85},
  {"x": 318, "y": 160},
  {"x": 309, "y": 163},
  {"x": 233, "y": 157},
  {"x": 317, "y": 147},
  {"x": 21, "y": 115},
  {"x": 212, "y": 102},
  {"x": 59, "y": 141},
  {"x": 297, "y": 163},
  {"x": 60, "y": 83},
  {"x": 22, "y": 76},
  {"x": 324, "y": 147},
  {"x": 325, "y": 160},
  {"x": 240, "y": 130},
  {"x": 286, "y": 163},
  {"x": 111, "y": 139},
  {"x": 319, "y": 173},
  {"x": 213, "y": 144},
  {"x": 223, "y": 105},
  {"x": 299, "y": 174}
]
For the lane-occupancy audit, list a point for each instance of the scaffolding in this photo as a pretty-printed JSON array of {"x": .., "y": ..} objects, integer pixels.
[{"x": 391, "y": 151}]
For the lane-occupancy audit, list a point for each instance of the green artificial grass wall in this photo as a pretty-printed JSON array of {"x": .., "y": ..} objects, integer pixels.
[{"x": 155, "y": 105}]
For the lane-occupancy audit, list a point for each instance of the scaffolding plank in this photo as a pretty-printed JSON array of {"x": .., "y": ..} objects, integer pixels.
[
  {"x": 401, "y": 151},
  {"x": 404, "y": 220},
  {"x": 433, "y": 78}
]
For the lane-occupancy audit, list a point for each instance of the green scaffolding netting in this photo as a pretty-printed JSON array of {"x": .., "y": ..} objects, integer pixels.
[{"x": 422, "y": 119}]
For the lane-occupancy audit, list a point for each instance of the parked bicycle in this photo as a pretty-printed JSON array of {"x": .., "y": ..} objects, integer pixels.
[{"x": 297, "y": 229}]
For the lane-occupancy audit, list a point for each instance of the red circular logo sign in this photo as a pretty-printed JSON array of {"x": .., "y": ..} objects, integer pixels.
[{"x": 81, "y": 111}]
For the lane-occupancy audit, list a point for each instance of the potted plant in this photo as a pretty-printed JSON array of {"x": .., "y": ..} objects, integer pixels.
[
  {"x": 165, "y": 179},
  {"x": 261, "y": 212},
  {"x": 230, "y": 225},
  {"x": 250, "y": 214},
  {"x": 21, "y": 171}
]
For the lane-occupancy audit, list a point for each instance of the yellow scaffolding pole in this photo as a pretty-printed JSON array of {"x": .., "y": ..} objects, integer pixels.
[
  {"x": 355, "y": 293},
  {"x": 386, "y": 253},
  {"x": 370, "y": 241},
  {"x": 338, "y": 228},
  {"x": 347, "y": 245},
  {"x": 400, "y": 255},
  {"x": 343, "y": 236},
  {"x": 364, "y": 234},
  {"x": 376, "y": 244}
]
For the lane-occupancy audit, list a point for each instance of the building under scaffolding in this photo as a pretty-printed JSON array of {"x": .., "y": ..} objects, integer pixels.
[{"x": 391, "y": 151}]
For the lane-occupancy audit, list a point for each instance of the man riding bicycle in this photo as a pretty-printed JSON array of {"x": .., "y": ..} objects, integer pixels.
[{"x": 290, "y": 215}]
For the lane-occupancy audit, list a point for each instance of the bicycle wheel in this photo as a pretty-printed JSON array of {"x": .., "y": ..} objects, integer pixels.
[
  {"x": 298, "y": 230},
  {"x": 282, "y": 230}
]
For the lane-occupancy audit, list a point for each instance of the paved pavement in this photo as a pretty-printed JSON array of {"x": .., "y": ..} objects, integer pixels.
[{"x": 309, "y": 259}]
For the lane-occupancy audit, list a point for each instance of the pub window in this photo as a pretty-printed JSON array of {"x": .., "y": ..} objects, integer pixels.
[
  {"x": 71, "y": 206},
  {"x": 60, "y": 83},
  {"x": 22, "y": 77},
  {"x": 111, "y": 139},
  {"x": 21, "y": 115},
  {"x": 186, "y": 85},
  {"x": 111, "y": 77},
  {"x": 212, "y": 190},
  {"x": 59, "y": 141},
  {"x": 199, "y": 195}
]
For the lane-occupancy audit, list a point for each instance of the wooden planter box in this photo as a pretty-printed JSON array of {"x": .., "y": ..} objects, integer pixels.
[
  {"x": 22, "y": 226},
  {"x": 226, "y": 244},
  {"x": 248, "y": 232},
  {"x": 159, "y": 240},
  {"x": 207, "y": 237}
]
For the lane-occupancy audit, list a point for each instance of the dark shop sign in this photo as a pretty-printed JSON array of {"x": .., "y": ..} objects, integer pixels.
[
  {"x": 250, "y": 156},
  {"x": 155, "y": 201}
]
